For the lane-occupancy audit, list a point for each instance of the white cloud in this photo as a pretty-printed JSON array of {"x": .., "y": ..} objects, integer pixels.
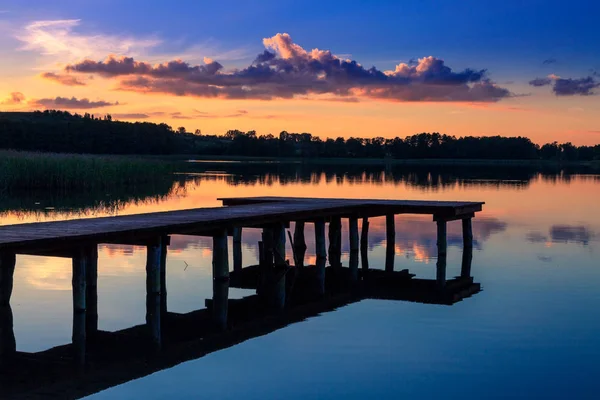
[{"x": 60, "y": 38}]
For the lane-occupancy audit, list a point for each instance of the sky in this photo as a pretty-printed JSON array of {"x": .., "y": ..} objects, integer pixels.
[{"x": 332, "y": 68}]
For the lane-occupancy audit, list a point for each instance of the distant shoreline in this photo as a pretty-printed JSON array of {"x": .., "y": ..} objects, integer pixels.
[{"x": 383, "y": 161}]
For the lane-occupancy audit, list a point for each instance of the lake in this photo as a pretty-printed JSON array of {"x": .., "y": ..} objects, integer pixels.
[{"x": 532, "y": 332}]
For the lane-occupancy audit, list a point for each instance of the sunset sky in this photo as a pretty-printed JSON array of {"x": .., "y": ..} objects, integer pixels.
[{"x": 332, "y": 68}]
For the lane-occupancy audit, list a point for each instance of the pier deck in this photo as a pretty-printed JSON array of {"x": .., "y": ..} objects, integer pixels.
[{"x": 248, "y": 212}]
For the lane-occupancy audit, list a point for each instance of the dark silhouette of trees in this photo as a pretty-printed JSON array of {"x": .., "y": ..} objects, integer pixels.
[{"x": 61, "y": 131}]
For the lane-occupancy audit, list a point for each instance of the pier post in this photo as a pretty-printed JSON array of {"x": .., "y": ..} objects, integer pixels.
[
  {"x": 354, "y": 247},
  {"x": 321, "y": 253},
  {"x": 237, "y": 248},
  {"x": 220, "y": 280},
  {"x": 91, "y": 297},
  {"x": 299, "y": 243},
  {"x": 467, "y": 256},
  {"x": 265, "y": 248},
  {"x": 364, "y": 244},
  {"x": 442, "y": 252},
  {"x": 279, "y": 244},
  {"x": 153, "y": 291},
  {"x": 335, "y": 242},
  {"x": 8, "y": 344},
  {"x": 390, "y": 245},
  {"x": 81, "y": 261},
  {"x": 166, "y": 240}
]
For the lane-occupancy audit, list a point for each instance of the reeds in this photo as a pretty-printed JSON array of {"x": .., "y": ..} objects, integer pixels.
[{"x": 25, "y": 170}]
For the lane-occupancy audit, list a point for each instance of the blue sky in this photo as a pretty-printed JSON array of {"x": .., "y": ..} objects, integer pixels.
[{"x": 513, "y": 41}]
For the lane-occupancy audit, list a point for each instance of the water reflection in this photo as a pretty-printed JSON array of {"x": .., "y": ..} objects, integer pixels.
[
  {"x": 535, "y": 250},
  {"x": 564, "y": 234}
]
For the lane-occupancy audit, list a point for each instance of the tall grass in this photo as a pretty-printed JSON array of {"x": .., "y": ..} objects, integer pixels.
[{"x": 24, "y": 170}]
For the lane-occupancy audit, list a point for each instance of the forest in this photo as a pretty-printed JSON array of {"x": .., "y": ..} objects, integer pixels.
[{"x": 63, "y": 132}]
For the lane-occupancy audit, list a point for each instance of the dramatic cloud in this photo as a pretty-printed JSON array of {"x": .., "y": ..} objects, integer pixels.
[
  {"x": 568, "y": 86},
  {"x": 286, "y": 70},
  {"x": 72, "y": 103},
  {"x": 15, "y": 98},
  {"x": 60, "y": 38},
  {"x": 64, "y": 79}
]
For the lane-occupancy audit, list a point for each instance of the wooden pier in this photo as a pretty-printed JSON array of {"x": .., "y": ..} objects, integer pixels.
[{"x": 280, "y": 284}]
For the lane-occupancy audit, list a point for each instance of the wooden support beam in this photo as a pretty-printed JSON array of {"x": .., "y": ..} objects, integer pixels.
[
  {"x": 8, "y": 344},
  {"x": 467, "y": 227},
  {"x": 448, "y": 218},
  {"x": 91, "y": 297},
  {"x": 442, "y": 254},
  {"x": 353, "y": 233},
  {"x": 321, "y": 252},
  {"x": 265, "y": 248},
  {"x": 390, "y": 247},
  {"x": 237, "y": 248},
  {"x": 220, "y": 280},
  {"x": 299, "y": 243},
  {"x": 165, "y": 242},
  {"x": 335, "y": 242},
  {"x": 138, "y": 240},
  {"x": 81, "y": 260},
  {"x": 49, "y": 252},
  {"x": 364, "y": 244},
  {"x": 320, "y": 248},
  {"x": 279, "y": 245},
  {"x": 354, "y": 247},
  {"x": 153, "y": 292}
]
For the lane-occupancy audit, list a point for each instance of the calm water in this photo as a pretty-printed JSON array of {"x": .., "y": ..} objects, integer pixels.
[{"x": 533, "y": 332}]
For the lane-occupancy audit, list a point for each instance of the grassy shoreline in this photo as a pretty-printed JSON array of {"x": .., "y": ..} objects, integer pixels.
[{"x": 51, "y": 171}]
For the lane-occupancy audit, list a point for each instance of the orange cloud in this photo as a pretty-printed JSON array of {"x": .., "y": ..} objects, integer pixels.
[{"x": 67, "y": 80}]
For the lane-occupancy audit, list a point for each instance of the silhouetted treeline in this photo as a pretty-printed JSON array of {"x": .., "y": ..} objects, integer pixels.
[{"x": 60, "y": 131}]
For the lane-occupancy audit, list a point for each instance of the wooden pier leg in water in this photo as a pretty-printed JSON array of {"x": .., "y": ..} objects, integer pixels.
[
  {"x": 163, "y": 276},
  {"x": 299, "y": 243},
  {"x": 153, "y": 292},
  {"x": 354, "y": 247},
  {"x": 237, "y": 248},
  {"x": 91, "y": 297},
  {"x": 277, "y": 280},
  {"x": 335, "y": 242},
  {"x": 442, "y": 251},
  {"x": 390, "y": 247},
  {"x": 80, "y": 263},
  {"x": 467, "y": 256},
  {"x": 8, "y": 344},
  {"x": 321, "y": 252},
  {"x": 265, "y": 248},
  {"x": 364, "y": 244},
  {"x": 279, "y": 244},
  {"x": 220, "y": 280}
]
